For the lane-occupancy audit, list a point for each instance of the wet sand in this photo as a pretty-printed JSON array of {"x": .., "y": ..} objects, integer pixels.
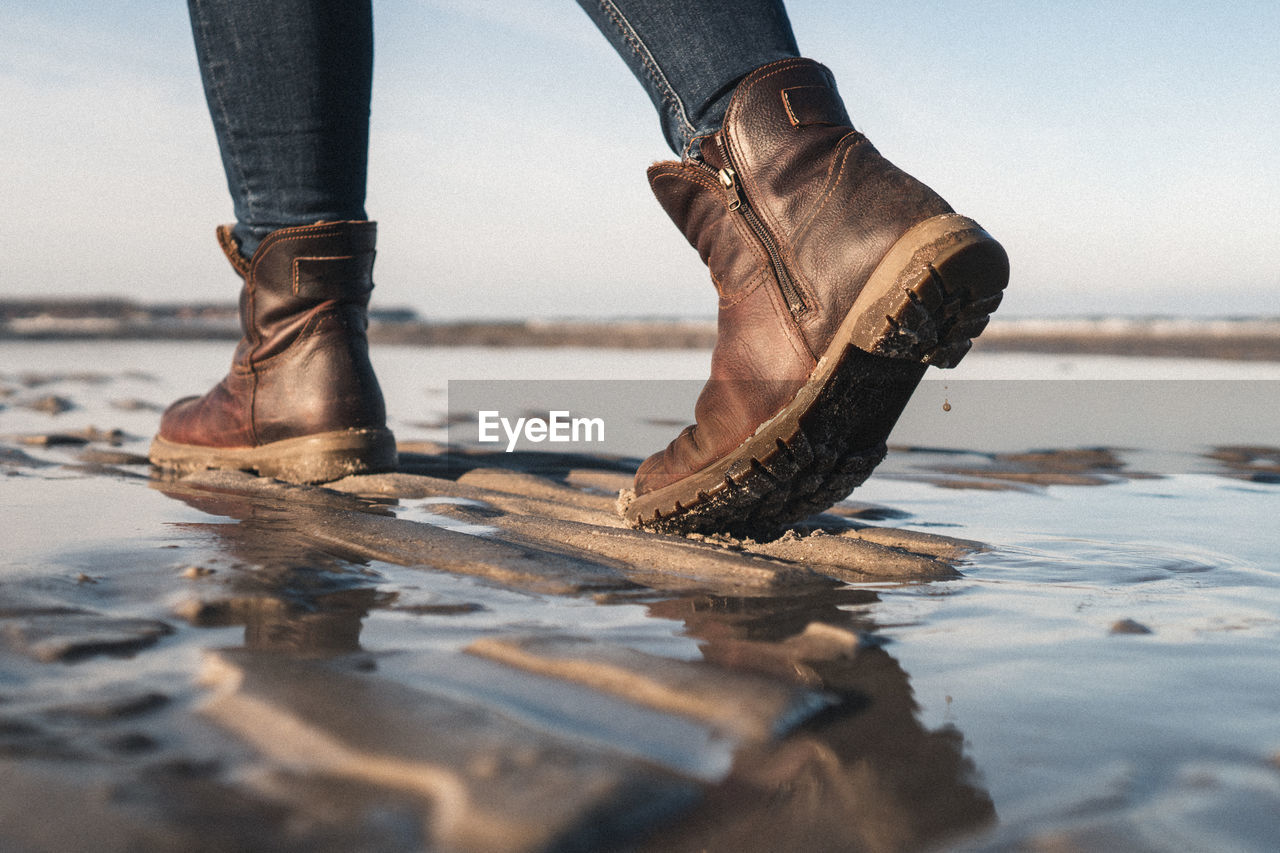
[{"x": 1033, "y": 628}]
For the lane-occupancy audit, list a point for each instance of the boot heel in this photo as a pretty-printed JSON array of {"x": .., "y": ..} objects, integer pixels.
[
  {"x": 932, "y": 294},
  {"x": 328, "y": 456}
]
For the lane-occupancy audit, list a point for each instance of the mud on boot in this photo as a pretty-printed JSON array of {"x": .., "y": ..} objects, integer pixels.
[
  {"x": 840, "y": 279},
  {"x": 301, "y": 402}
]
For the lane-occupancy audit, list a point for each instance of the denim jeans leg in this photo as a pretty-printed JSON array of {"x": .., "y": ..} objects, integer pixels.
[
  {"x": 690, "y": 56},
  {"x": 288, "y": 85}
]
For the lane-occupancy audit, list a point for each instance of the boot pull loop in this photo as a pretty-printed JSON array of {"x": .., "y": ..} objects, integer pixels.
[
  {"x": 231, "y": 248},
  {"x": 810, "y": 105}
]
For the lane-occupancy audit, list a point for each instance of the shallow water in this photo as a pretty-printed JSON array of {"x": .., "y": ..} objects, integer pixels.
[
  {"x": 1020, "y": 654},
  {"x": 1108, "y": 665}
]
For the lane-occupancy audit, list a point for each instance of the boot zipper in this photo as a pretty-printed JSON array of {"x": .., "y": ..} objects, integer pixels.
[{"x": 738, "y": 203}]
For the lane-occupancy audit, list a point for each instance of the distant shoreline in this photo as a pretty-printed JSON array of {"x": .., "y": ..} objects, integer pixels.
[{"x": 1243, "y": 338}]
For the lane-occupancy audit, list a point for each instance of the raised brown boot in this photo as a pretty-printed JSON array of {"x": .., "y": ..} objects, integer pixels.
[
  {"x": 840, "y": 278},
  {"x": 301, "y": 402}
]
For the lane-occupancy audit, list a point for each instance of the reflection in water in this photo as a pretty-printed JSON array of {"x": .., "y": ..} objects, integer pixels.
[
  {"x": 289, "y": 595},
  {"x": 862, "y": 775}
]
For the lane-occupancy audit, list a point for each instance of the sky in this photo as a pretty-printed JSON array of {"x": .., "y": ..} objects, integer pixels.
[{"x": 1124, "y": 153}]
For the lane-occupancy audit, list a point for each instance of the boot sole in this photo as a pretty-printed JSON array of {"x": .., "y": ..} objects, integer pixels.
[
  {"x": 927, "y": 299},
  {"x": 318, "y": 458}
]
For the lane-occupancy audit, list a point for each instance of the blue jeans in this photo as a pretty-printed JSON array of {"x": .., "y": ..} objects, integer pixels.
[{"x": 288, "y": 85}]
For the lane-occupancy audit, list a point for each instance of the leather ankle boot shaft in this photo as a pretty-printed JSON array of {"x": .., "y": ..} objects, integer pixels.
[
  {"x": 796, "y": 194},
  {"x": 792, "y": 210},
  {"x": 302, "y": 367}
]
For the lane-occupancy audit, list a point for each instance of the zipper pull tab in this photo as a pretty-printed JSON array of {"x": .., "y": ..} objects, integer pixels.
[{"x": 729, "y": 181}]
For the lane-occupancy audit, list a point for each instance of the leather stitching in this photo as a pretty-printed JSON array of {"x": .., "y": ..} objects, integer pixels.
[
  {"x": 289, "y": 235},
  {"x": 314, "y": 258},
  {"x": 693, "y": 179},
  {"x": 789, "y": 248},
  {"x": 743, "y": 232},
  {"x": 253, "y": 408},
  {"x": 761, "y": 276},
  {"x": 735, "y": 106},
  {"x": 779, "y": 66},
  {"x": 838, "y": 169},
  {"x": 786, "y": 103},
  {"x": 670, "y": 97},
  {"x": 753, "y": 190}
]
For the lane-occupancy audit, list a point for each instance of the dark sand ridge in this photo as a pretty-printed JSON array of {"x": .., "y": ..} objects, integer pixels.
[
  {"x": 539, "y": 509},
  {"x": 378, "y": 743},
  {"x": 350, "y": 727},
  {"x": 1092, "y": 466}
]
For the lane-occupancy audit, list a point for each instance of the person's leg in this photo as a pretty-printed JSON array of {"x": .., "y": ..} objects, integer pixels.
[
  {"x": 690, "y": 56},
  {"x": 840, "y": 276},
  {"x": 288, "y": 85}
]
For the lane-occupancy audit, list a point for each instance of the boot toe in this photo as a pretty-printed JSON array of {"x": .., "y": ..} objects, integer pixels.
[
  {"x": 175, "y": 421},
  {"x": 673, "y": 463},
  {"x": 213, "y": 420},
  {"x": 653, "y": 474}
]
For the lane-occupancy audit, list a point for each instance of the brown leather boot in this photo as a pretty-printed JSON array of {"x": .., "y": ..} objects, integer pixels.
[
  {"x": 840, "y": 278},
  {"x": 301, "y": 402}
]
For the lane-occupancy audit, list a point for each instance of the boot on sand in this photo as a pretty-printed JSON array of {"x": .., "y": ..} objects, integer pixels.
[
  {"x": 840, "y": 279},
  {"x": 301, "y": 402}
]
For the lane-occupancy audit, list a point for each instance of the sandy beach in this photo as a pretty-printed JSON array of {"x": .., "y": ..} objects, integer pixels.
[{"x": 1048, "y": 622}]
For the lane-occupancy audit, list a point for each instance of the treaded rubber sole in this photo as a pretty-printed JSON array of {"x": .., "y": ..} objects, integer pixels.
[
  {"x": 931, "y": 294},
  {"x": 927, "y": 299},
  {"x": 318, "y": 458}
]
